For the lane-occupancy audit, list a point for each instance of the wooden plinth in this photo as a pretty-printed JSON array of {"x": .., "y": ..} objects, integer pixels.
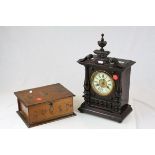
[{"x": 118, "y": 117}]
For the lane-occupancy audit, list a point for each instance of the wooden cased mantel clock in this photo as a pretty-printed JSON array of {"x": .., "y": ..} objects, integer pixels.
[{"x": 106, "y": 85}]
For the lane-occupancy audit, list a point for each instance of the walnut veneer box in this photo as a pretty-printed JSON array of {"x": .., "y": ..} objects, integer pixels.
[{"x": 43, "y": 104}]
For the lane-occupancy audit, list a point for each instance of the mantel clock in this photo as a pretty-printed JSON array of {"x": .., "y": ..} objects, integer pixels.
[{"x": 106, "y": 84}]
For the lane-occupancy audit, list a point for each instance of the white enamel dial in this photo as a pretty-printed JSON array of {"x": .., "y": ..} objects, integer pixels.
[{"x": 102, "y": 83}]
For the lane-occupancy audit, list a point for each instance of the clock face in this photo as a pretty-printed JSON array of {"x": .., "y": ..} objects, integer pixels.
[{"x": 102, "y": 83}]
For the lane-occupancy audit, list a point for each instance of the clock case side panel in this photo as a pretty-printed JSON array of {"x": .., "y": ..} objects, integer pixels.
[{"x": 125, "y": 84}]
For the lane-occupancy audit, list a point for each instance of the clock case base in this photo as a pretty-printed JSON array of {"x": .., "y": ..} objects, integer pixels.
[{"x": 118, "y": 117}]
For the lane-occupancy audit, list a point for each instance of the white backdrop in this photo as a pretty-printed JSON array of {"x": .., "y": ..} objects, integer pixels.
[{"x": 37, "y": 56}]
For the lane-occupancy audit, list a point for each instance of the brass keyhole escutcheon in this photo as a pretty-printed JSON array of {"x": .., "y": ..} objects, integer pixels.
[{"x": 51, "y": 107}]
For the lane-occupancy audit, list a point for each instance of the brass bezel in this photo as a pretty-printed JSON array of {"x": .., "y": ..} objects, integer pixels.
[{"x": 93, "y": 87}]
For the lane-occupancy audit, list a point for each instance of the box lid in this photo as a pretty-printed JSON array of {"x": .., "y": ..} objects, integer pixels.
[{"x": 43, "y": 94}]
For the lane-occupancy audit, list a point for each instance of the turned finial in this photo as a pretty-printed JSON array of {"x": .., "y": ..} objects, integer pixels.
[
  {"x": 101, "y": 52},
  {"x": 102, "y": 43}
]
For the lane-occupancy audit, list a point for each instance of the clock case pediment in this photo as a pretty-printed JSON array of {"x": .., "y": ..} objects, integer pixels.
[{"x": 118, "y": 98}]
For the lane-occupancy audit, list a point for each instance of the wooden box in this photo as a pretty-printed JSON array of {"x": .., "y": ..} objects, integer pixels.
[{"x": 43, "y": 104}]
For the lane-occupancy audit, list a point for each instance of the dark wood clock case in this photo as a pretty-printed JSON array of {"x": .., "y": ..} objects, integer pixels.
[{"x": 115, "y": 105}]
